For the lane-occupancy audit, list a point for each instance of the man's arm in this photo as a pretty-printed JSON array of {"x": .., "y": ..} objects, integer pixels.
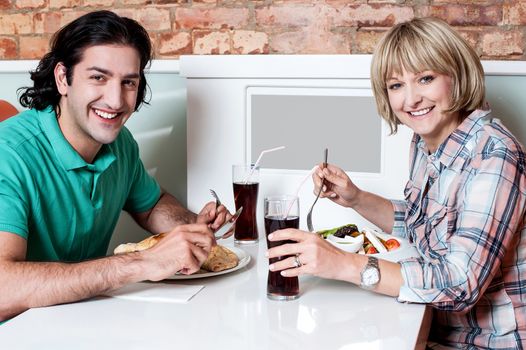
[
  {"x": 165, "y": 215},
  {"x": 169, "y": 213},
  {"x": 25, "y": 284}
]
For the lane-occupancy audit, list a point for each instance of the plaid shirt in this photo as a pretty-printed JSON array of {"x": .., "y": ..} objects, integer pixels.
[{"x": 464, "y": 210}]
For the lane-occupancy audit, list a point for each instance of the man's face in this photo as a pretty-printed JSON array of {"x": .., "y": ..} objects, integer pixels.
[{"x": 101, "y": 97}]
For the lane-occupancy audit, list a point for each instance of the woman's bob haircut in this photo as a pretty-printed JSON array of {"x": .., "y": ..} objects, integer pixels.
[{"x": 427, "y": 44}]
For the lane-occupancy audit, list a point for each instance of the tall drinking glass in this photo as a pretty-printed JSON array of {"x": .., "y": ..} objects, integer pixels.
[
  {"x": 245, "y": 179},
  {"x": 281, "y": 212}
]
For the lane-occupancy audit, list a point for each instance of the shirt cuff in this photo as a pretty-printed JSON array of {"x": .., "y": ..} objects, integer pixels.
[
  {"x": 399, "y": 229},
  {"x": 413, "y": 277}
]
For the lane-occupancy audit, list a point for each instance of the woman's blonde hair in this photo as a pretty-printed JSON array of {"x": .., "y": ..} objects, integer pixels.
[{"x": 427, "y": 44}]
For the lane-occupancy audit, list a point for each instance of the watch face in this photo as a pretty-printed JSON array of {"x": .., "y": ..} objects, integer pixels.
[{"x": 370, "y": 276}]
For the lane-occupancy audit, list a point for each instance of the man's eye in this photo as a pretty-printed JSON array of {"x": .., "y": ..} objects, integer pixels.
[
  {"x": 394, "y": 86},
  {"x": 97, "y": 77},
  {"x": 130, "y": 83}
]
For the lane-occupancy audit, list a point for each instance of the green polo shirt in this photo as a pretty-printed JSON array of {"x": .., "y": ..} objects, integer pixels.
[{"x": 66, "y": 208}]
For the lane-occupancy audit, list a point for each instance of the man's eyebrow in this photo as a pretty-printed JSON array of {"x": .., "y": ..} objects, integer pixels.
[{"x": 109, "y": 73}]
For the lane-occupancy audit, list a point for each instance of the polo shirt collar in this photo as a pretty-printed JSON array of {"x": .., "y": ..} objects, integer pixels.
[{"x": 66, "y": 154}]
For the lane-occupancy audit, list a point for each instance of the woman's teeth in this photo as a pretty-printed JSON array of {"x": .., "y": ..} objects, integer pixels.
[
  {"x": 105, "y": 115},
  {"x": 420, "y": 112}
]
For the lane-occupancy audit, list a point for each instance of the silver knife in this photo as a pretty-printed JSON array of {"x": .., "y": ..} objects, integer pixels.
[{"x": 227, "y": 226}]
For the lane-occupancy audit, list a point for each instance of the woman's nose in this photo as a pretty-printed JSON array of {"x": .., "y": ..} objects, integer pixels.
[{"x": 413, "y": 96}]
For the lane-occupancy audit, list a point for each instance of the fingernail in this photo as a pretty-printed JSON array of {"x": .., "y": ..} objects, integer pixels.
[
  {"x": 333, "y": 195},
  {"x": 284, "y": 273},
  {"x": 324, "y": 188},
  {"x": 271, "y": 267},
  {"x": 271, "y": 236},
  {"x": 266, "y": 254}
]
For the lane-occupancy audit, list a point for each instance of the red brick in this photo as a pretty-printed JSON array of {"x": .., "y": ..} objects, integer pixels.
[
  {"x": 135, "y": 2},
  {"x": 515, "y": 14},
  {"x": 5, "y": 5},
  {"x": 309, "y": 42},
  {"x": 96, "y": 4},
  {"x": 466, "y": 15},
  {"x": 154, "y": 18},
  {"x": 288, "y": 16},
  {"x": 502, "y": 43},
  {"x": 33, "y": 47},
  {"x": 216, "y": 18},
  {"x": 373, "y": 15},
  {"x": 366, "y": 40},
  {"x": 30, "y": 4},
  {"x": 211, "y": 42},
  {"x": 17, "y": 23},
  {"x": 174, "y": 44},
  {"x": 8, "y": 48},
  {"x": 58, "y": 4},
  {"x": 249, "y": 42}
]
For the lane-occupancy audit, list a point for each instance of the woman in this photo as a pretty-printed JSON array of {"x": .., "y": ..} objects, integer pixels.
[{"x": 464, "y": 202}]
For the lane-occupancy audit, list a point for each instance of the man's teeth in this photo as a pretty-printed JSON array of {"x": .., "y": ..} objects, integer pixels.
[
  {"x": 105, "y": 115},
  {"x": 420, "y": 112}
]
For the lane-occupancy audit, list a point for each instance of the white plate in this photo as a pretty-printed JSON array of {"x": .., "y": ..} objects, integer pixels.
[
  {"x": 243, "y": 257},
  {"x": 406, "y": 249}
]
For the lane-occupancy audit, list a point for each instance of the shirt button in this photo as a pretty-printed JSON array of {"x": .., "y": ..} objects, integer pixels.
[{"x": 432, "y": 158}]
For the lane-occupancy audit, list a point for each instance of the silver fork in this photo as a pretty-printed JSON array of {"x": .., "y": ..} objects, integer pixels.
[
  {"x": 309, "y": 215},
  {"x": 218, "y": 201}
]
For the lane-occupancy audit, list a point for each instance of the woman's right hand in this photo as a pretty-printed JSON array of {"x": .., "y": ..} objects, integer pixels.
[{"x": 338, "y": 186}]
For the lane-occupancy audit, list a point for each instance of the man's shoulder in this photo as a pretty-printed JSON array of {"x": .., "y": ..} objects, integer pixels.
[{"x": 19, "y": 128}]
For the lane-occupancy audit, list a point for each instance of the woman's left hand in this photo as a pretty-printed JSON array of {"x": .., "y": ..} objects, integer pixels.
[{"x": 316, "y": 256}]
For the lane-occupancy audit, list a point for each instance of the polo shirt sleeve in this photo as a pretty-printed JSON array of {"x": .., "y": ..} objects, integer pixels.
[
  {"x": 14, "y": 198},
  {"x": 144, "y": 190}
]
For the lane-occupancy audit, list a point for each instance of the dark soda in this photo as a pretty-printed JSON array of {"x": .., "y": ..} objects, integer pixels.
[
  {"x": 277, "y": 285},
  {"x": 246, "y": 196}
]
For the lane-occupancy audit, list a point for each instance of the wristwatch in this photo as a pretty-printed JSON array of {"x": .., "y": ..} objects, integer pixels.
[{"x": 370, "y": 275}]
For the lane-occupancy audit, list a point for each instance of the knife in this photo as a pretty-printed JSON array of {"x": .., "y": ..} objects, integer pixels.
[{"x": 227, "y": 226}]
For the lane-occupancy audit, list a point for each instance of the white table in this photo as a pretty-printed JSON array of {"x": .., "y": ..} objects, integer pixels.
[{"x": 231, "y": 312}]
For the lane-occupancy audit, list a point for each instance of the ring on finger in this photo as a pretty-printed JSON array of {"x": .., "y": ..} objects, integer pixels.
[{"x": 297, "y": 262}]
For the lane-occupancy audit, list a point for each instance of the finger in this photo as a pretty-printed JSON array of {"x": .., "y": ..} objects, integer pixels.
[
  {"x": 288, "y": 263},
  {"x": 288, "y": 234},
  {"x": 337, "y": 179},
  {"x": 284, "y": 250}
]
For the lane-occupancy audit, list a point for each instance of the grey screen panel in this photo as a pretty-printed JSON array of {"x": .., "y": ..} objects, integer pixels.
[
  {"x": 507, "y": 99},
  {"x": 348, "y": 125}
]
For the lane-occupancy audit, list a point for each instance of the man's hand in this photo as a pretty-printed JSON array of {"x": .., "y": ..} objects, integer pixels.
[
  {"x": 214, "y": 218},
  {"x": 184, "y": 250}
]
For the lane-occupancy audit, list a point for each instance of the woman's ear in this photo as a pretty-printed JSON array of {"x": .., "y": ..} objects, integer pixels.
[{"x": 60, "y": 79}]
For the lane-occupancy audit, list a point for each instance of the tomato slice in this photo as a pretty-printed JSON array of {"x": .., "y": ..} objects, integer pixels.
[{"x": 392, "y": 244}]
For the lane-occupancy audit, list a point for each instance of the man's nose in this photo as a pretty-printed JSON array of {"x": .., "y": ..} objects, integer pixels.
[{"x": 113, "y": 96}]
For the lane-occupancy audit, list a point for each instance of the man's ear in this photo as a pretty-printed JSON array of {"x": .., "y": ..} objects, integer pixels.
[{"x": 60, "y": 79}]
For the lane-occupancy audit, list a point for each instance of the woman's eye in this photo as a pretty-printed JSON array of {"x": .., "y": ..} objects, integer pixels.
[
  {"x": 394, "y": 86},
  {"x": 426, "y": 79}
]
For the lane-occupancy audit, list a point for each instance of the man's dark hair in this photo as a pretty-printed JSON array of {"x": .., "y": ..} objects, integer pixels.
[{"x": 68, "y": 46}]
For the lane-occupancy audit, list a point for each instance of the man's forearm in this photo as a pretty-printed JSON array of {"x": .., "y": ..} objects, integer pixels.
[
  {"x": 49, "y": 283},
  {"x": 165, "y": 215}
]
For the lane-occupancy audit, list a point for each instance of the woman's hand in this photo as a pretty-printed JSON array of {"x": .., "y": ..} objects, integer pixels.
[
  {"x": 338, "y": 186},
  {"x": 317, "y": 256}
]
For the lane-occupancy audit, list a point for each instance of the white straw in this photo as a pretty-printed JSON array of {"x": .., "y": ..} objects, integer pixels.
[
  {"x": 259, "y": 159},
  {"x": 299, "y": 188}
]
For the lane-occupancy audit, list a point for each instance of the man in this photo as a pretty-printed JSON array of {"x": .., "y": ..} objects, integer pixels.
[{"x": 69, "y": 167}]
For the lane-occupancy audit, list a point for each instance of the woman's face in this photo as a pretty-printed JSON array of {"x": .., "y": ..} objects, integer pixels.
[{"x": 419, "y": 101}]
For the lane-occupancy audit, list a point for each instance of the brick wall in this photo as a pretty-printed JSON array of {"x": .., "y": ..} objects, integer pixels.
[{"x": 496, "y": 28}]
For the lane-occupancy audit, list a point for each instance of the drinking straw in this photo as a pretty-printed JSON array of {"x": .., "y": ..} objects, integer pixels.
[
  {"x": 298, "y": 190},
  {"x": 259, "y": 159}
]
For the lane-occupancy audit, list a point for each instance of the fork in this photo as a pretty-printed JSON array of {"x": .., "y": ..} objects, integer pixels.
[
  {"x": 218, "y": 201},
  {"x": 309, "y": 215}
]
